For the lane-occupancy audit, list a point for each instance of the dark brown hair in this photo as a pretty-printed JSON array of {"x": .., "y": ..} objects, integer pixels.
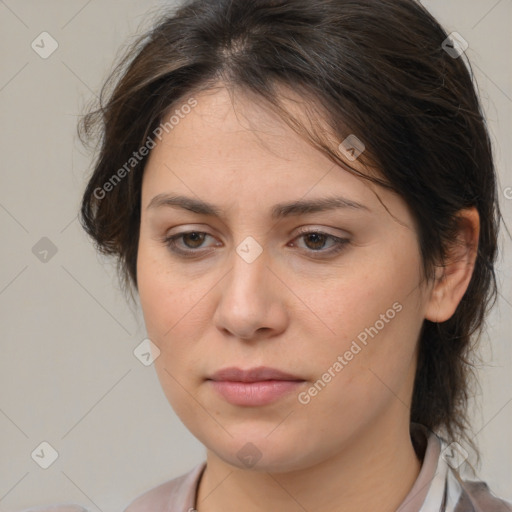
[{"x": 374, "y": 68}]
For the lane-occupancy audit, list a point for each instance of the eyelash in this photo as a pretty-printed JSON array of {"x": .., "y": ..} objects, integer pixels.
[{"x": 339, "y": 243}]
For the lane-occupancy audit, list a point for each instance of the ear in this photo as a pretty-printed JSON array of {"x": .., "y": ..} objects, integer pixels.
[{"x": 452, "y": 279}]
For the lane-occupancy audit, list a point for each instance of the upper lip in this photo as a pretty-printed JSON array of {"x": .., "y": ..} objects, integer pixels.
[{"x": 258, "y": 374}]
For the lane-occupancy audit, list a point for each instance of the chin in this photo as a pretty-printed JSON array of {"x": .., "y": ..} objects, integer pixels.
[{"x": 262, "y": 452}]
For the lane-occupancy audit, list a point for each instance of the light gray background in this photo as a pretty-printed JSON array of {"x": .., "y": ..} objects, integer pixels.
[{"x": 68, "y": 375}]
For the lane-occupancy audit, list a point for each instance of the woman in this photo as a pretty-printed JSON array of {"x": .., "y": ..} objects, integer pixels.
[{"x": 303, "y": 196}]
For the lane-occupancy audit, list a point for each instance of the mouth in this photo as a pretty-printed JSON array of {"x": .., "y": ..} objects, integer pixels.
[{"x": 254, "y": 387}]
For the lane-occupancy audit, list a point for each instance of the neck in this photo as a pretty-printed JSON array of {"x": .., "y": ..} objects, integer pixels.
[{"x": 374, "y": 471}]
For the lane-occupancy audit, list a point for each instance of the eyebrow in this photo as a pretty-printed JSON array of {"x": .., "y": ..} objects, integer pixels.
[{"x": 280, "y": 210}]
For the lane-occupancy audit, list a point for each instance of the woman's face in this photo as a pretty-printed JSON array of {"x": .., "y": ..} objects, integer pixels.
[{"x": 339, "y": 309}]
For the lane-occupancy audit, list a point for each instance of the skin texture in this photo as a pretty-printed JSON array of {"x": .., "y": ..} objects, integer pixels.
[{"x": 291, "y": 308}]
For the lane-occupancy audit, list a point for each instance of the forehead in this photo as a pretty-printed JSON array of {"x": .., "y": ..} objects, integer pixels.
[
  {"x": 233, "y": 151},
  {"x": 239, "y": 135},
  {"x": 237, "y": 123}
]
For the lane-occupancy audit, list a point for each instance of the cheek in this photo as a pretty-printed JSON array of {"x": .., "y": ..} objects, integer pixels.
[
  {"x": 165, "y": 295},
  {"x": 174, "y": 306},
  {"x": 154, "y": 295},
  {"x": 374, "y": 317},
  {"x": 167, "y": 303}
]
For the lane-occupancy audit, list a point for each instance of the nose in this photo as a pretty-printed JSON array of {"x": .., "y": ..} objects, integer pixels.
[{"x": 252, "y": 301}]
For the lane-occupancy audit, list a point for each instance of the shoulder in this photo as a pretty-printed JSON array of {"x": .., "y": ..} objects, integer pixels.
[
  {"x": 480, "y": 496},
  {"x": 176, "y": 494}
]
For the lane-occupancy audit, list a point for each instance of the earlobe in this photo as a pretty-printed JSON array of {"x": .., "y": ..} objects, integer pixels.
[{"x": 452, "y": 279}]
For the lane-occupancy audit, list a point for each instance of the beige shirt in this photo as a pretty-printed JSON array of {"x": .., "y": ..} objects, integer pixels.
[{"x": 438, "y": 488}]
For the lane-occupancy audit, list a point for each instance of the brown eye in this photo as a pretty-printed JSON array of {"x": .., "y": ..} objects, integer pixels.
[
  {"x": 188, "y": 243},
  {"x": 315, "y": 241},
  {"x": 321, "y": 244},
  {"x": 194, "y": 239}
]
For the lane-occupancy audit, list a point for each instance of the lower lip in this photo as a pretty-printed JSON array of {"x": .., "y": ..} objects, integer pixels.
[{"x": 254, "y": 393}]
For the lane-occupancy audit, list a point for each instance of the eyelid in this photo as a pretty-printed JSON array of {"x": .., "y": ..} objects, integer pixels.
[{"x": 304, "y": 230}]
